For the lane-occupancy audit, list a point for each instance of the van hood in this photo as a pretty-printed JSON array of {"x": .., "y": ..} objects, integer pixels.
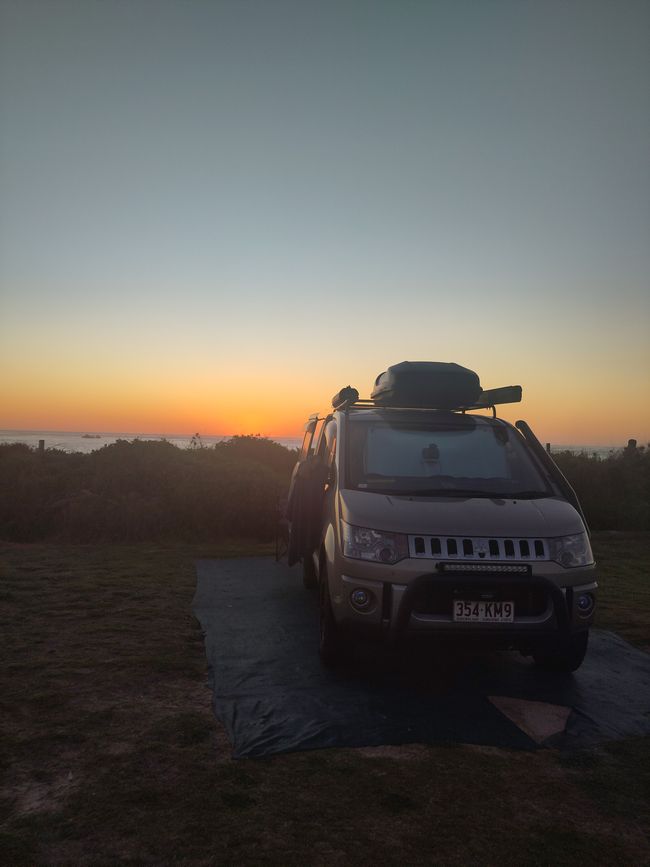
[{"x": 459, "y": 516}]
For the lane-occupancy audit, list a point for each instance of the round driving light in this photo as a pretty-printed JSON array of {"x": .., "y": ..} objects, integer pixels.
[
  {"x": 566, "y": 559},
  {"x": 360, "y": 598},
  {"x": 585, "y": 603},
  {"x": 386, "y": 555}
]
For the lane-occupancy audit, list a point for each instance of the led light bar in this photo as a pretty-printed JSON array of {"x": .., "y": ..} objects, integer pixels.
[{"x": 482, "y": 567}]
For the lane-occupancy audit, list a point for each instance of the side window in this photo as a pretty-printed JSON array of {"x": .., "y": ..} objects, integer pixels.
[
  {"x": 323, "y": 440},
  {"x": 330, "y": 443},
  {"x": 306, "y": 445},
  {"x": 312, "y": 433},
  {"x": 318, "y": 433}
]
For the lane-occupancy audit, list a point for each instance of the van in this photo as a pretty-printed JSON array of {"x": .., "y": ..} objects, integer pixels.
[{"x": 420, "y": 513}]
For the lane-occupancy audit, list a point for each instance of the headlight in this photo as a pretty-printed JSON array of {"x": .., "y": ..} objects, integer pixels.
[
  {"x": 570, "y": 551},
  {"x": 362, "y": 543}
]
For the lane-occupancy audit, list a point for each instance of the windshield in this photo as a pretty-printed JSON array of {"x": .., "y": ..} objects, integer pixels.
[{"x": 461, "y": 457}]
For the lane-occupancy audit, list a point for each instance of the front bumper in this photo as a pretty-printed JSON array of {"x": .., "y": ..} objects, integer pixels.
[{"x": 546, "y": 605}]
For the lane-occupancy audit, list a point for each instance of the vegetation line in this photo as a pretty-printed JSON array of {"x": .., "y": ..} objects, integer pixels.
[{"x": 145, "y": 491}]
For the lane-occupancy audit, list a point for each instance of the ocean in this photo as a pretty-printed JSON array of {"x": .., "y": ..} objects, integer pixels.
[{"x": 80, "y": 441}]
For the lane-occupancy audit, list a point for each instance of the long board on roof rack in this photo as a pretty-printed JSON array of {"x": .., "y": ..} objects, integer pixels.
[
  {"x": 435, "y": 384},
  {"x": 494, "y": 396}
]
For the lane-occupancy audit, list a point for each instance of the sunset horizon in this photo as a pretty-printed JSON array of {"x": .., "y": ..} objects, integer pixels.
[{"x": 558, "y": 418}]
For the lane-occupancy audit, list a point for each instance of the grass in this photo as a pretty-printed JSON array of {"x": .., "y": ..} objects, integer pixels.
[
  {"x": 624, "y": 578},
  {"x": 110, "y": 751}
]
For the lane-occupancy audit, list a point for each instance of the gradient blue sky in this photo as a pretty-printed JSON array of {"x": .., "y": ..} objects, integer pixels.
[{"x": 318, "y": 190}]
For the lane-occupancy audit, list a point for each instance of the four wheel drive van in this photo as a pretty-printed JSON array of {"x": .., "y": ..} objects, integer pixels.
[{"x": 416, "y": 514}]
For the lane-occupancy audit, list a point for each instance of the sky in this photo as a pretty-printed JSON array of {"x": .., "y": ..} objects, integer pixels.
[{"x": 213, "y": 215}]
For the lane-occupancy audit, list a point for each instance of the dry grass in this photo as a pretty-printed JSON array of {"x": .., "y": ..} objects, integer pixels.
[
  {"x": 111, "y": 753},
  {"x": 624, "y": 577}
]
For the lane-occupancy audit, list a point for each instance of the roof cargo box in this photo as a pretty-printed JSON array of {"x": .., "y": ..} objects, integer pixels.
[{"x": 435, "y": 384}]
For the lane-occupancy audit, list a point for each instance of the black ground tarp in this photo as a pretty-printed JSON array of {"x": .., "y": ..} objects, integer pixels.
[{"x": 272, "y": 694}]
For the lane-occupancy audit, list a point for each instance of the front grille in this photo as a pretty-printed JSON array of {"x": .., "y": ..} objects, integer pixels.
[
  {"x": 432, "y": 598},
  {"x": 477, "y": 549}
]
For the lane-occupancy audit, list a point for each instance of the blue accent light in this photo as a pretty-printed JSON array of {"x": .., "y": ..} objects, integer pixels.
[
  {"x": 360, "y": 598},
  {"x": 585, "y": 603}
]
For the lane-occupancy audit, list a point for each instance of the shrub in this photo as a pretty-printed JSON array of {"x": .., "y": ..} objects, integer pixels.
[
  {"x": 614, "y": 491},
  {"x": 143, "y": 491}
]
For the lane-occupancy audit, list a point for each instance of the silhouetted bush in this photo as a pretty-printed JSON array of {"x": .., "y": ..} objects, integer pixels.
[
  {"x": 614, "y": 491},
  {"x": 144, "y": 491}
]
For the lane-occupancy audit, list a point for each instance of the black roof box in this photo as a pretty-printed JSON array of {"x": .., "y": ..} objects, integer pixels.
[{"x": 434, "y": 384}]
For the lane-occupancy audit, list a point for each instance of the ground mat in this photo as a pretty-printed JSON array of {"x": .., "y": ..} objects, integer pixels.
[{"x": 273, "y": 695}]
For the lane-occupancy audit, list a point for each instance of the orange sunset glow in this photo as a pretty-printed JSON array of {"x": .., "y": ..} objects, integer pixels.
[{"x": 562, "y": 409}]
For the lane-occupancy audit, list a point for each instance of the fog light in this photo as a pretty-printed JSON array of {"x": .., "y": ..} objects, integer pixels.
[
  {"x": 360, "y": 598},
  {"x": 585, "y": 604}
]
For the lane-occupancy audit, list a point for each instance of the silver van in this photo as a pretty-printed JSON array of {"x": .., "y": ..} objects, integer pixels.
[{"x": 418, "y": 513}]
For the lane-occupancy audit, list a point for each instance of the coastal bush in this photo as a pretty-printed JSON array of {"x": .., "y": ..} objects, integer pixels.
[
  {"x": 134, "y": 491},
  {"x": 614, "y": 491}
]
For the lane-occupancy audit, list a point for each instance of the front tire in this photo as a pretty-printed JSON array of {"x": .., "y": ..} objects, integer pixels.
[
  {"x": 331, "y": 645},
  {"x": 566, "y": 656}
]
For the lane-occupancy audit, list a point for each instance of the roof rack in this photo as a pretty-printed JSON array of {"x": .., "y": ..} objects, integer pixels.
[{"x": 348, "y": 398}]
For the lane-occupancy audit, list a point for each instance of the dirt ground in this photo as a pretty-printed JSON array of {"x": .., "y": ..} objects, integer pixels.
[{"x": 111, "y": 753}]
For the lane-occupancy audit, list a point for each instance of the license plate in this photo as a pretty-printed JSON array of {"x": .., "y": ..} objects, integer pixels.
[{"x": 483, "y": 612}]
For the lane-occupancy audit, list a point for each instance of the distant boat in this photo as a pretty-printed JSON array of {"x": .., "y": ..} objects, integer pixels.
[{"x": 91, "y": 436}]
